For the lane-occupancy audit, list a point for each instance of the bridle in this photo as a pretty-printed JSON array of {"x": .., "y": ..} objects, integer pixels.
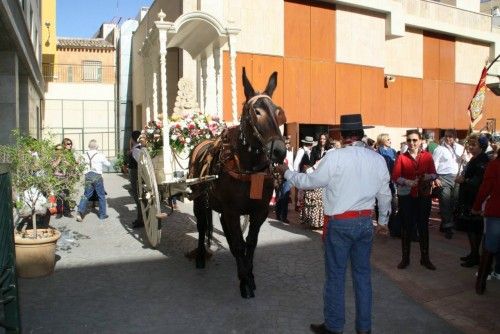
[{"x": 247, "y": 121}]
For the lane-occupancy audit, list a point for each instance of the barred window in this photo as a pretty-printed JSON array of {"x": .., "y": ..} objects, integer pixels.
[{"x": 92, "y": 70}]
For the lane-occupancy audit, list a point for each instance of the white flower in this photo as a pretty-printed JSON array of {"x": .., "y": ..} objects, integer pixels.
[
  {"x": 188, "y": 140},
  {"x": 173, "y": 137}
]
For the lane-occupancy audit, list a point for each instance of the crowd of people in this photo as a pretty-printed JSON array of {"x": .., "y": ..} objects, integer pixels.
[
  {"x": 338, "y": 184},
  {"x": 462, "y": 176}
]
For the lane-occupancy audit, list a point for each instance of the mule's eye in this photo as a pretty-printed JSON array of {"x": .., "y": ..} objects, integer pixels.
[{"x": 257, "y": 112}]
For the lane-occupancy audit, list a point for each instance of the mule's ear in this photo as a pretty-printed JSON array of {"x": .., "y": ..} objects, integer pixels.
[
  {"x": 249, "y": 92},
  {"x": 271, "y": 84}
]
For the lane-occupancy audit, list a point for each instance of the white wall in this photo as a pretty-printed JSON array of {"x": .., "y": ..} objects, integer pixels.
[
  {"x": 470, "y": 58},
  {"x": 76, "y": 91},
  {"x": 261, "y": 23},
  {"x": 404, "y": 55},
  {"x": 360, "y": 37}
]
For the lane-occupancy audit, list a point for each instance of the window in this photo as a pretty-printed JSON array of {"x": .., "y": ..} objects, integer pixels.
[{"x": 92, "y": 70}]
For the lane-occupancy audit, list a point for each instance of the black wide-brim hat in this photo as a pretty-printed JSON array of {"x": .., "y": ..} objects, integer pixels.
[{"x": 352, "y": 122}]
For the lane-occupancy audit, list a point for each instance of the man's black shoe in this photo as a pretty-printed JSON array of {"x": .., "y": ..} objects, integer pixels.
[
  {"x": 137, "y": 224},
  {"x": 321, "y": 329}
]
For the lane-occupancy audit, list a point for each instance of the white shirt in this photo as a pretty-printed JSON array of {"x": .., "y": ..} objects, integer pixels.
[
  {"x": 447, "y": 158},
  {"x": 98, "y": 161},
  {"x": 136, "y": 151},
  {"x": 289, "y": 159},
  {"x": 352, "y": 177},
  {"x": 298, "y": 158}
]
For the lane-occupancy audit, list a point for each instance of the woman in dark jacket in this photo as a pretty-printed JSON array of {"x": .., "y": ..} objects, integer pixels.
[{"x": 470, "y": 181}]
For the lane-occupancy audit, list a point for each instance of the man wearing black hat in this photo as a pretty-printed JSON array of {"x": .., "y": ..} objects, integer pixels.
[{"x": 352, "y": 178}]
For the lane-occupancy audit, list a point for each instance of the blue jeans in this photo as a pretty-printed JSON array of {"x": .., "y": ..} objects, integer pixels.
[
  {"x": 492, "y": 234},
  {"x": 93, "y": 181},
  {"x": 348, "y": 238}
]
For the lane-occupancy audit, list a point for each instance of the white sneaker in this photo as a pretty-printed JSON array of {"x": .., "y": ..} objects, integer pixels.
[
  {"x": 495, "y": 275},
  {"x": 489, "y": 276},
  {"x": 79, "y": 217}
]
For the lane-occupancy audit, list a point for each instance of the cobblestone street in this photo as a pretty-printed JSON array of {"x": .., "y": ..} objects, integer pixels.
[{"x": 108, "y": 281}]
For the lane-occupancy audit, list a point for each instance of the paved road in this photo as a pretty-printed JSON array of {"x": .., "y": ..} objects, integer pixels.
[{"x": 108, "y": 281}]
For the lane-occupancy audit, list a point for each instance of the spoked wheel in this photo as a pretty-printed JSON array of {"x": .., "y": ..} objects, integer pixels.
[{"x": 149, "y": 198}]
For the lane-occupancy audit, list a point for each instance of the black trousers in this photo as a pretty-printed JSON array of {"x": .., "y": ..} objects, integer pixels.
[{"x": 414, "y": 212}]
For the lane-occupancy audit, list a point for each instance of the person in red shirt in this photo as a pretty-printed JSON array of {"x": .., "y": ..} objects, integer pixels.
[
  {"x": 489, "y": 192},
  {"x": 413, "y": 174}
]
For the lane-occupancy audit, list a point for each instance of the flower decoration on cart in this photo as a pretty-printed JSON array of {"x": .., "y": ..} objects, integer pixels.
[
  {"x": 188, "y": 124},
  {"x": 152, "y": 136},
  {"x": 189, "y": 129}
]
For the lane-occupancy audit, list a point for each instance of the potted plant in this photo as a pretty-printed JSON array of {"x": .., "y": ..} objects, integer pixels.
[
  {"x": 120, "y": 164},
  {"x": 38, "y": 170}
]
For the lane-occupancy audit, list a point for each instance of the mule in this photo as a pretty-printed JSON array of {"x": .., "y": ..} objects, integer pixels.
[{"x": 242, "y": 158}]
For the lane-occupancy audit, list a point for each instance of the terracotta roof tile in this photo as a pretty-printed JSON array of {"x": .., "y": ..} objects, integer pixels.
[{"x": 83, "y": 43}]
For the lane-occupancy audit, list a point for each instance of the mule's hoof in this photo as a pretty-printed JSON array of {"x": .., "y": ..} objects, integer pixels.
[
  {"x": 200, "y": 263},
  {"x": 246, "y": 291}
]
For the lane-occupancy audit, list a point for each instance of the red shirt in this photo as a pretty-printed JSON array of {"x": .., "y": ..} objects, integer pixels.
[
  {"x": 490, "y": 187},
  {"x": 411, "y": 169}
]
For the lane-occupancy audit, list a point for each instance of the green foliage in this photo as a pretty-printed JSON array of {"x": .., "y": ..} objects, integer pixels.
[
  {"x": 37, "y": 164},
  {"x": 121, "y": 160}
]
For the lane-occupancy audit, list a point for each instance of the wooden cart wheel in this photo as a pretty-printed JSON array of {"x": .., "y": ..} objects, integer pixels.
[{"x": 149, "y": 198}]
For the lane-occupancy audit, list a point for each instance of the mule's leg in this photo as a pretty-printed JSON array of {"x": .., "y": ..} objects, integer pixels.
[
  {"x": 203, "y": 216},
  {"x": 237, "y": 246},
  {"x": 251, "y": 243}
]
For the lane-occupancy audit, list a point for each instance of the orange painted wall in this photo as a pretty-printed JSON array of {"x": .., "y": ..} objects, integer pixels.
[
  {"x": 258, "y": 70},
  {"x": 323, "y": 94},
  {"x": 393, "y": 103},
  {"x": 373, "y": 100},
  {"x": 348, "y": 90},
  {"x": 297, "y": 94},
  {"x": 430, "y": 98},
  {"x": 314, "y": 89}
]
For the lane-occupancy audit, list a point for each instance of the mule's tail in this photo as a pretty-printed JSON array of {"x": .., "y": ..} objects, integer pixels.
[{"x": 210, "y": 230}]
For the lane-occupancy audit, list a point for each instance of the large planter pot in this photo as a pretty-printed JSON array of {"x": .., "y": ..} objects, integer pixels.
[{"x": 36, "y": 257}]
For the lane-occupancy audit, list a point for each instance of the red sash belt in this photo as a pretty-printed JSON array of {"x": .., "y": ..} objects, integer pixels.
[{"x": 353, "y": 214}]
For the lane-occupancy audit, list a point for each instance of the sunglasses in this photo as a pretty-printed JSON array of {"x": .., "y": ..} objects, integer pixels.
[
  {"x": 411, "y": 140},
  {"x": 69, "y": 144}
]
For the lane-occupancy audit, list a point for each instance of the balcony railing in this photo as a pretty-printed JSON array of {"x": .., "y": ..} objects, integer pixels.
[{"x": 89, "y": 72}]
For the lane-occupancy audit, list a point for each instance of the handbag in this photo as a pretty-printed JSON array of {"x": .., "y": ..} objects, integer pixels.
[{"x": 424, "y": 187}]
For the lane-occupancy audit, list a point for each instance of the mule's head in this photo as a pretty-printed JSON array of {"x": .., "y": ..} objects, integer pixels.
[{"x": 261, "y": 119}]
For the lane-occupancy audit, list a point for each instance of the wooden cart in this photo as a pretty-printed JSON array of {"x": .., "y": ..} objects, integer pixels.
[{"x": 157, "y": 183}]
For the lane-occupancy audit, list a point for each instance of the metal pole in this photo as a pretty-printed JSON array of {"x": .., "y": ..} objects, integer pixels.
[{"x": 8, "y": 281}]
